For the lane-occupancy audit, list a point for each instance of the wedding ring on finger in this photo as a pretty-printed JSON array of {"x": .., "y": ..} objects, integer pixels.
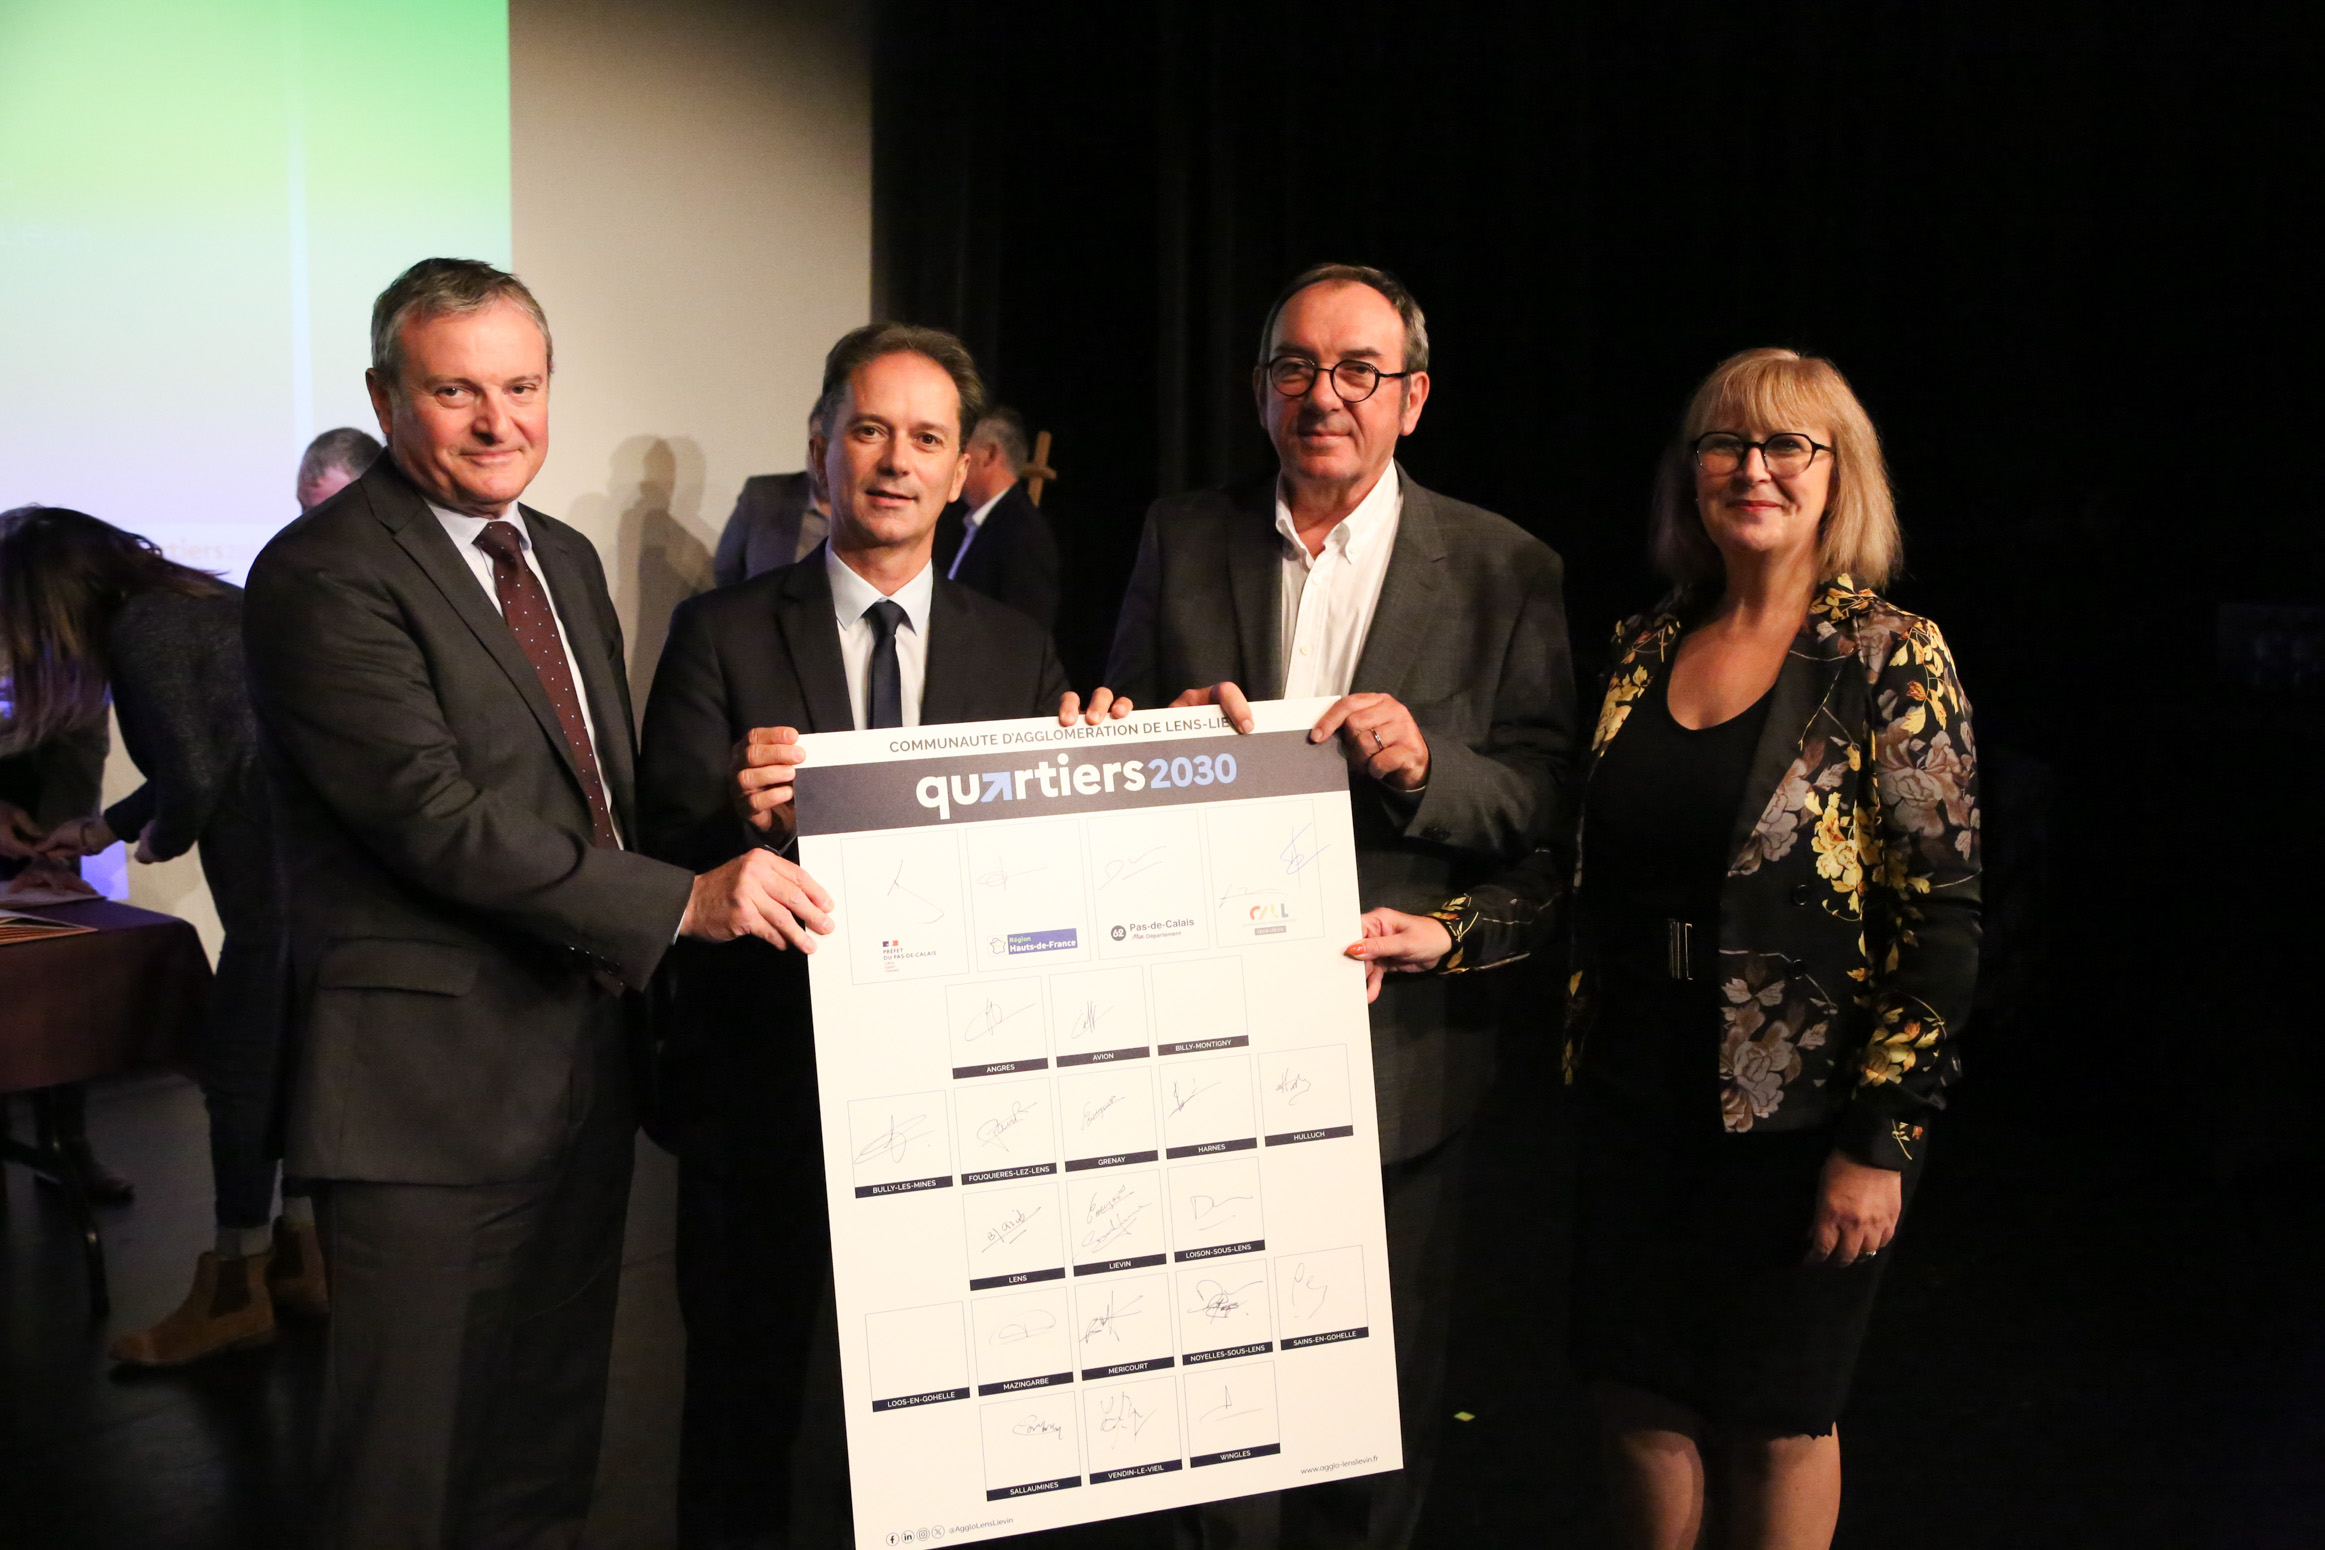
[{"x": 1374, "y": 734}]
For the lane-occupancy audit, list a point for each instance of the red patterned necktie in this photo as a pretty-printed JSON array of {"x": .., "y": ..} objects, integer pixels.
[{"x": 525, "y": 604}]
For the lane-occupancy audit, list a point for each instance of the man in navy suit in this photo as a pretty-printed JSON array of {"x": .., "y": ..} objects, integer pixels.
[
  {"x": 994, "y": 538},
  {"x": 863, "y": 632}
]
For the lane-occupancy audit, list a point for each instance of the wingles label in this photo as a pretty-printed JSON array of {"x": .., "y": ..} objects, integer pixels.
[{"x": 913, "y": 793}]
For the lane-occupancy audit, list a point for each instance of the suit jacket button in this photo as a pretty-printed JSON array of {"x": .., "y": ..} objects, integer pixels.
[
  {"x": 1795, "y": 967},
  {"x": 1800, "y": 894}
]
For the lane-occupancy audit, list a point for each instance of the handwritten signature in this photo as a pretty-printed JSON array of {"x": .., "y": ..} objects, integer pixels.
[
  {"x": 1295, "y": 859},
  {"x": 989, "y": 1018},
  {"x": 1225, "y": 1410},
  {"x": 1009, "y": 1229},
  {"x": 1184, "y": 1099},
  {"x": 1094, "y": 1112},
  {"x": 1119, "y": 1414},
  {"x": 1102, "y": 1323},
  {"x": 896, "y": 1140},
  {"x": 1035, "y": 1426},
  {"x": 1220, "y": 1302},
  {"x": 1038, "y": 1322},
  {"x": 1207, "y": 1206},
  {"x": 1308, "y": 1293},
  {"x": 1293, "y": 1086},
  {"x": 995, "y": 1128},
  {"x": 1000, "y": 874},
  {"x": 1120, "y": 867},
  {"x": 1105, "y": 1220},
  {"x": 935, "y": 911}
]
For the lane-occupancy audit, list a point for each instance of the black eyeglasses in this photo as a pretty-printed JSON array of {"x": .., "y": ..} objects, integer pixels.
[
  {"x": 1294, "y": 376},
  {"x": 1786, "y": 453}
]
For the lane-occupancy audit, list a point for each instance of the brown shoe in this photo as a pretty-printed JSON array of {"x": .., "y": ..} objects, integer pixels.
[
  {"x": 228, "y": 1308},
  {"x": 294, "y": 1276}
]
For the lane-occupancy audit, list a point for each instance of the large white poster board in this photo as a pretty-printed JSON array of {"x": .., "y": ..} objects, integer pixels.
[{"x": 1099, "y": 1138}]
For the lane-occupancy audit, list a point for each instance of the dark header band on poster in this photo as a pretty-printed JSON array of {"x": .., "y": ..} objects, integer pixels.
[{"x": 1040, "y": 782}]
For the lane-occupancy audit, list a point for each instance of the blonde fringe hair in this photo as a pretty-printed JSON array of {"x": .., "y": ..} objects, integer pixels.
[{"x": 1780, "y": 390}]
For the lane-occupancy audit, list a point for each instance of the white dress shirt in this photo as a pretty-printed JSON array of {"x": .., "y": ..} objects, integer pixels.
[
  {"x": 1327, "y": 599},
  {"x": 976, "y": 520},
  {"x": 852, "y": 598},
  {"x": 464, "y": 530}
]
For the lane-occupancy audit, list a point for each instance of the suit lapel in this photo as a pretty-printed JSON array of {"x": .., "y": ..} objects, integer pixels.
[
  {"x": 952, "y": 525},
  {"x": 948, "y": 691},
  {"x": 1804, "y": 686},
  {"x": 421, "y": 536},
  {"x": 570, "y": 593},
  {"x": 1255, "y": 583},
  {"x": 811, "y": 631},
  {"x": 1405, "y": 616}
]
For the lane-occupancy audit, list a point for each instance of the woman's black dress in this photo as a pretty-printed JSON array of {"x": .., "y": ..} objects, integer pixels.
[{"x": 1689, "y": 1282}]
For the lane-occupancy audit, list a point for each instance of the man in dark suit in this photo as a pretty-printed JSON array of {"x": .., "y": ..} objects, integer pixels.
[
  {"x": 1441, "y": 629},
  {"x": 777, "y": 521},
  {"x": 863, "y": 633},
  {"x": 994, "y": 538},
  {"x": 439, "y": 681}
]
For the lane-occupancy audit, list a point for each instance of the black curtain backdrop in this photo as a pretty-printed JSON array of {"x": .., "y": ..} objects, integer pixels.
[{"x": 2060, "y": 249}]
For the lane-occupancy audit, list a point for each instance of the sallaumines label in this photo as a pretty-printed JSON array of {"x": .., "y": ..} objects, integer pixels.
[{"x": 1039, "y": 783}]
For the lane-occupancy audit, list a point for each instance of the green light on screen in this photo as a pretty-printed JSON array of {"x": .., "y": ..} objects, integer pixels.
[{"x": 197, "y": 205}]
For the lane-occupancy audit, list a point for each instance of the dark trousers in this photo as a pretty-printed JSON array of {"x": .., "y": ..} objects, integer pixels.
[
  {"x": 239, "y": 1064},
  {"x": 1423, "y": 1197},
  {"x": 754, "y": 1278},
  {"x": 471, "y": 1327}
]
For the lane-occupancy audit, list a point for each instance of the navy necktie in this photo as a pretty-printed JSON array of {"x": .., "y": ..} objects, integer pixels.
[{"x": 887, "y": 697}]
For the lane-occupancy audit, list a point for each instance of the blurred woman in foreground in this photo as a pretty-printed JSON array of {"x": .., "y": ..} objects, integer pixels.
[
  {"x": 87, "y": 610},
  {"x": 1775, "y": 943}
]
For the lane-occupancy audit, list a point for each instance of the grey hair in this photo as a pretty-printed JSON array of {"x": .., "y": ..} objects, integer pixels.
[
  {"x": 345, "y": 447},
  {"x": 1005, "y": 428},
  {"x": 862, "y": 346},
  {"x": 1390, "y": 287},
  {"x": 436, "y": 287}
]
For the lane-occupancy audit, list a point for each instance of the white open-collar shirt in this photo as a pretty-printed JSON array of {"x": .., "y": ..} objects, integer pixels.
[
  {"x": 1326, "y": 602},
  {"x": 852, "y": 598}
]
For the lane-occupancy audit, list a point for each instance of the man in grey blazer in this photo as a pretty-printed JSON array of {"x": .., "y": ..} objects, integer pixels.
[
  {"x": 1441, "y": 630},
  {"x": 777, "y": 521},
  {"x": 438, "y": 677}
]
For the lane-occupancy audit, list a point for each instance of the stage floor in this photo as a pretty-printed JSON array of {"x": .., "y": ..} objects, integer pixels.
[{"x": 2080, "y": 1343}]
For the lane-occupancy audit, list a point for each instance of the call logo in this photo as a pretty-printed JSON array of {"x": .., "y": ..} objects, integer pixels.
[{"x": 1276, "y": 911}]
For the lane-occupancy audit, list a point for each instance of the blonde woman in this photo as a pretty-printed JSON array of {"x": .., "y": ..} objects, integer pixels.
[{"x": 1776, "y": 940}]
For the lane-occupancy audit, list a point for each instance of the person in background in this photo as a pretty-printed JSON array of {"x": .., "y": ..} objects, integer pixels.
[
  {"x": 332, "y": 462},
  {"x": 43, "y": 785},
  {"x": 778, "y": 520},
  {"x": 1438, "y": 630},
  {"x": 86, "y": 610},
  {"x": 1776, "y": 942},
  {"x": 994, "y": 539}
]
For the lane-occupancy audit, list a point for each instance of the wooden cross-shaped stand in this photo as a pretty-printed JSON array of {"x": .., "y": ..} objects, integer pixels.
[{"x": 1038, "y": 472}]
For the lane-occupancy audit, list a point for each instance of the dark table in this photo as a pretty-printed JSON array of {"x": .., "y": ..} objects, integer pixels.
[{"x": 127, "y": 993}]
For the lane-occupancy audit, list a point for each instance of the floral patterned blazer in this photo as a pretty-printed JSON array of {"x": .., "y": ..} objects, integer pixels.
[{"x": 1849, "y": 919}]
